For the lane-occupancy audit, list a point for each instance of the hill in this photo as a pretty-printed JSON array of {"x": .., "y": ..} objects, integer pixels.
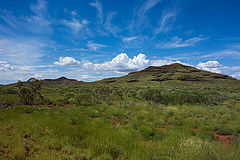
[
  {"x": 61, "y": 81},
  {"x": 176, "y": 72}
]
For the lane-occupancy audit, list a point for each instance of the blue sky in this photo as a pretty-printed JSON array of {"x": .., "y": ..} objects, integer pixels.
[{"x": 90, "y": 40}]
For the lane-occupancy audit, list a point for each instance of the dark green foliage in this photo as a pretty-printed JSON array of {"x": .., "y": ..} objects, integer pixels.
[
  {"x": 29, "y": 93},
  {"x": 84, "y": 99},
  {"x": 61, "y": 102},
  {"x": 153, "y": 96},
  {"x": 146, "y": 132}
]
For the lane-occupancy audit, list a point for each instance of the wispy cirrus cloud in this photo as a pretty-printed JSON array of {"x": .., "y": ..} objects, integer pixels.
[
  {"x": 140, "y": 19},
  {"x": 231, "y": 50},
  {"x": 75, "y": 24},
  {"x": 177, "y": 42},
  {"x": 94, "y": 46},
  {"x": 104, "y": 23},
  {"x": 133, "y": 41},
  {"x": 113, "y": 29},
  {"x": 98, "y": 6},
  {"x": 167, "y": 19},
  {"x": 23, "y": 51},
  {"x": 38, "y": 22}
]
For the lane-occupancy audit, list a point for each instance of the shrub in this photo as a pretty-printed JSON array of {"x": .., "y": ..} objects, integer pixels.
[
  {"x": 146, "y": 132},
  {"x": 72, "y": 101},
  {"x": 84, "y": 99},
  {"x": 60, "y": 102}
]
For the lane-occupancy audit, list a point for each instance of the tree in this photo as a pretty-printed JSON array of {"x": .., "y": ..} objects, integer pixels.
[
  {"x": 153, "y": 96},
  {"x": 29, "y": 93}
]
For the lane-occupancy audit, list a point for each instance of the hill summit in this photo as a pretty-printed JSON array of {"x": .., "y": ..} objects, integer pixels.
[
  {"x": 177, "y": 71},
  {"x": 61, "y": 81}
]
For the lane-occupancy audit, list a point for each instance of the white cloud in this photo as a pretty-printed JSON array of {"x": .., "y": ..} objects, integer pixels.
[
  {"x": 122, "y": 64},
  {"x": 168, "y": 17},
  {"x": 75, "y": 25},
  {"x": 223, "y": 53},
  {"x": 212, "y": 66},
  {"x": 177, "y": 42},
  {"x": 133, "y": 42},
  {"x": 4, "y": 66},
  {"x": 67, "y": 61},
  {"x": 236, "y": 75},
  {"x": 128, "y": 39},
  {"x": 94, "y": 46}
]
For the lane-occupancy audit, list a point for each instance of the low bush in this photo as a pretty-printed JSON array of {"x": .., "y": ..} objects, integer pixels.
[{"x": 84, "y": 99}]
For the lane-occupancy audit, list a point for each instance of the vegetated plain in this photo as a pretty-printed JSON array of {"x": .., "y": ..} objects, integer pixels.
[{"x": 169, "y": 112}]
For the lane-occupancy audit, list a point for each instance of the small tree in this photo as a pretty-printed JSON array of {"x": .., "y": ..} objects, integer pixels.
[
  {"x": 153, "y": 96},
  {"x": 29, "y": 93}
]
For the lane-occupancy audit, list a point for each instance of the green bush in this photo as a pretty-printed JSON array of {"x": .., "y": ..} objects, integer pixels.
[
  {"x": 61, "y": 102},
  {"x": 146, "y": 132},
  {"x": 84, "y": 99}
]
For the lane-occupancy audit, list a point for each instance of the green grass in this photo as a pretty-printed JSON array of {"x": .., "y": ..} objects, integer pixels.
[{"x": 90, "y": 132}]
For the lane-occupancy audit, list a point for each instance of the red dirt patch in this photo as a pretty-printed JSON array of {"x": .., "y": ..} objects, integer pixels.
[
  {"x": 116, "y": 120},
  {"x": 227, "y": 139}
]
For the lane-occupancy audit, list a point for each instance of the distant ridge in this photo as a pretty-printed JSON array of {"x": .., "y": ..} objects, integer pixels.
[
  {"x": 61, "y": 81},
  {"x": 57, "y": 82}
]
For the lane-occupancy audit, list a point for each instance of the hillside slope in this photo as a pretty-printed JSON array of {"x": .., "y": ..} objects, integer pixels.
[{"x": 170, "y": 72}]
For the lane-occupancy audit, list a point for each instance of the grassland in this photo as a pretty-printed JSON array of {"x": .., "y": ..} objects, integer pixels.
[
  {"x": 173, "y": 112},
  {"x": 126, "y": 132}
]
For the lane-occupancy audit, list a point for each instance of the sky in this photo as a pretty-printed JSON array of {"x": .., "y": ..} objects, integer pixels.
[{"x": 90, "y": 40}]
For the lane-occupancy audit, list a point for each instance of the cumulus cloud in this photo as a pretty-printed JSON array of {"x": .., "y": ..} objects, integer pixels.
[
  {"x": 212, "y": 66},
  {"x": 122, "y": 63},
  {"x": 67, "y": 61},
  {"x": 4, "y": 66},
  {"x": 177, "y": 42}
]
